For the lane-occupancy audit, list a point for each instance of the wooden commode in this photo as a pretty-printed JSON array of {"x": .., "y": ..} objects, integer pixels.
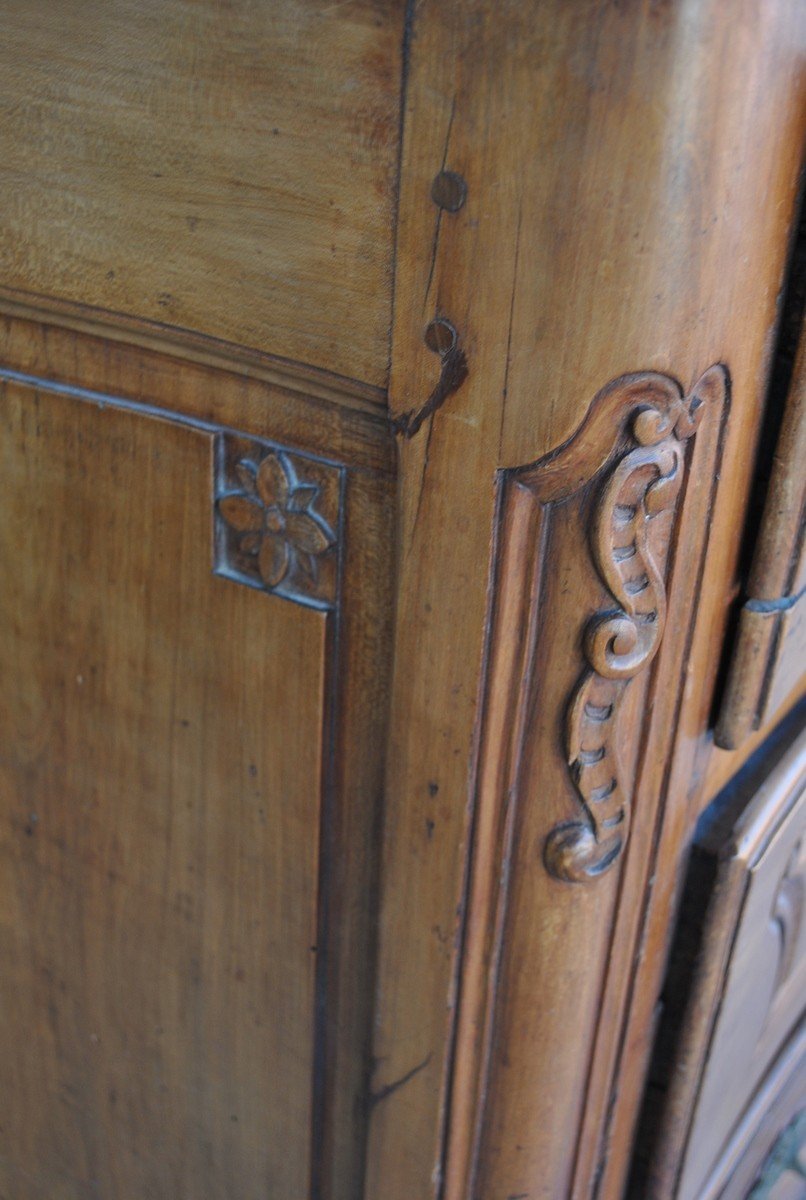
[{"x": 402, "y": 633}]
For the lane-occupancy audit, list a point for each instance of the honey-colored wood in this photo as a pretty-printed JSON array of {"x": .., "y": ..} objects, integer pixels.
[
  {"x": 192, "y": 772},
  {"x": 557, "y": 821},
  {"x": 455, "y": 926},
  {"x": 769, "y": 658},
  {"x": 214, "y": 394},
  {"x": 307, "y": 382},
  {"x": 614, "y": 159},
  {"x": 151, "y": 861},
  {"x": 747, "y": 905},
  {"x": 223, "y": 168}
]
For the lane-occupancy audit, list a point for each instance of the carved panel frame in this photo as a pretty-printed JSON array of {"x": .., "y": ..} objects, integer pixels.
[
  {"x": 315, "y": 497},
  {"x": 594, "y": 544}
]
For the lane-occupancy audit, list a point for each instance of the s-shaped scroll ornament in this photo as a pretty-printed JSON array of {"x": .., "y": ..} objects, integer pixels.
[{"x": 621, "y": 640}]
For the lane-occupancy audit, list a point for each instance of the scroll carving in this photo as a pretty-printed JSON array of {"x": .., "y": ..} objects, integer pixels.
[
  {"x": 591, "y": 543},
  {"x": 620, "y": 641}
]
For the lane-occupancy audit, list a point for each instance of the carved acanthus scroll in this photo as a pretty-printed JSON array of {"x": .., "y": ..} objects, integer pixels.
[
  {"x": 620, "y": 641},
  {"x": 591, "y": 542}
]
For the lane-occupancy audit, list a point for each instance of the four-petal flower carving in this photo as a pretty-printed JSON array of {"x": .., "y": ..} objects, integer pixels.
[{"x": 273, "y": 519}]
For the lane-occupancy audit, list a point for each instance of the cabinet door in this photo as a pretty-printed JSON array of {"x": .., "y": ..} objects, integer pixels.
[
  {"x": 735, "y": 992},
  {"x": 193, "y": 623},
  {"x": 196, "y": 228}
]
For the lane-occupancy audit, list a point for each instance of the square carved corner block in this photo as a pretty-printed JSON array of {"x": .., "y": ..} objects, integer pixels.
[{"x": 730, "y": 1065}]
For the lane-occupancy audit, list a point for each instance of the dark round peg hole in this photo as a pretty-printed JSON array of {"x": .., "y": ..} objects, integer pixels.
[
  {"x": 449, "y": 191},
  {"x": 440, "y": 336}
]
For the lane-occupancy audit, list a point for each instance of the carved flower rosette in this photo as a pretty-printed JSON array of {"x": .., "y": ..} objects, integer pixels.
[{"x": 276, "y": 518}]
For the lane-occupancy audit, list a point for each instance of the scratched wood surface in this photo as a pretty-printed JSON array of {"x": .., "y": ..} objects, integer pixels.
[
  {"x": 224, "y": 168},
  {"x": 630, "y": 179}
]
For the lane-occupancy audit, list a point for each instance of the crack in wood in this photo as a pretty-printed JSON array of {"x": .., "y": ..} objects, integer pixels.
[
  {"x": 451, "y": 377},
  {"x": 376, "y": 1097}
]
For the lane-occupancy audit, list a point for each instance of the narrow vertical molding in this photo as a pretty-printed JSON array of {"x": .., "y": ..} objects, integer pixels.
[{"x": 577, "y": 612}]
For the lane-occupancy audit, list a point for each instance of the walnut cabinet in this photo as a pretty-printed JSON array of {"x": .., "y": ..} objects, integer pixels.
[{"x": 401, "y": 639}]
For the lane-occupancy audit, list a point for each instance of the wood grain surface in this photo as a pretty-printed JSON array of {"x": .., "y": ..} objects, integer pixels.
[
  {"x": 631, "y": 174},
  {"x": 564, "y": 825},
  {"x": 192, "y": 773},
  {"x": 224, "y": 168},
  {"x": 211, "y": 214},
  {"x": 160, "y": 876}
]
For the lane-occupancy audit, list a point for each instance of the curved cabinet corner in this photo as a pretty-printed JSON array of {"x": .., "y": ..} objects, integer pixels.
[{"x": 599, "y": 548}]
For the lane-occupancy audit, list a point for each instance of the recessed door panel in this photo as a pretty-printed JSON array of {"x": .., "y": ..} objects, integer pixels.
[{"x": 160, "y": 784}]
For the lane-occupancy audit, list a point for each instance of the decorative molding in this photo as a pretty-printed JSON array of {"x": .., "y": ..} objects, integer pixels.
[
  {"x": 310, "y": 496},
  {"x": 294, "y": 517},
  {"x": 277, "y": 520},
  {"x": 619, "y": 643},
  {"x": 787, "y": 913},
  {"x": 591, "y": 543},
  {"x": 300, "y": 378}
]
